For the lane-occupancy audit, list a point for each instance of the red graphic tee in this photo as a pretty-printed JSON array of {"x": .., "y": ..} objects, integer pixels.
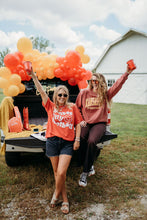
[{"x": 61, "y": 122}]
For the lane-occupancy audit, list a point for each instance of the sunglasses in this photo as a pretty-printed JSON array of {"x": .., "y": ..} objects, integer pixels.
[
  {"x": 94, "y": 81},
  {"x": 64, "y": 95}
]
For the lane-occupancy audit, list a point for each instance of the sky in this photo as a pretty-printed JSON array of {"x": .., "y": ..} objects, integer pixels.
[{"x": 94, "y": 24}]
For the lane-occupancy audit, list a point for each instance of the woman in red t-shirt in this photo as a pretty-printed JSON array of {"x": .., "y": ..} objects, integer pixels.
[{"x": 63, "y": 117}]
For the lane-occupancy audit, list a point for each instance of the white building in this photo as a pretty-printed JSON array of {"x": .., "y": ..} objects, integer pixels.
[{"x": 112, "y": 63}]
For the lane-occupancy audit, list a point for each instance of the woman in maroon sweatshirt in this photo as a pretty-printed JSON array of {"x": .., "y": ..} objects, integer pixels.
[{"x": 93, "y": 103}]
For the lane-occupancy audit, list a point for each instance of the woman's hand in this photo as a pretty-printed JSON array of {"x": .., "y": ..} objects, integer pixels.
[
  {"x": 128, "y": 70},
  {"x": 76, "y": 145},
  {"x": 83, "y": 123},
  {"x": 28, "y": 67}
]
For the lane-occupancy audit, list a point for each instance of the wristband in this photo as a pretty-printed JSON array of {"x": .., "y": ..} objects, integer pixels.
[{"x": 77, "y": 139}]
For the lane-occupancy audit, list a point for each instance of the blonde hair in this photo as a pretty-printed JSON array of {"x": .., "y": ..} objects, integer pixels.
[
  {"x": 102, "y": 88},
  {"x": 56, "y": 94}
]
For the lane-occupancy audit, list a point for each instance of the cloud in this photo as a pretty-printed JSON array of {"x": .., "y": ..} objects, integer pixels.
[
  {"x": 62, "y": 22},
  {"x": 9, "y": 40},
  {"x": 103, "y": 32},
  {"x": 131, "y": 13},
  {"x": 57, "y": 19}
]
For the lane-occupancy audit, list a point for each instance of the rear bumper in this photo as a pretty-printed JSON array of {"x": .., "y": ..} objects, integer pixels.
[
  {"x": 31, "y": 144},
  {"x": 107, "y": 136},
  {"x": 25, "y": 144}
]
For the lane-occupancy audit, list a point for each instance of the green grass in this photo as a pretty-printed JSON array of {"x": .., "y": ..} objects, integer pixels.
[
  {"x": 121, "y": 173},
  {"x": 1, "y": 95},
  {"x": 129, "y": 119}
]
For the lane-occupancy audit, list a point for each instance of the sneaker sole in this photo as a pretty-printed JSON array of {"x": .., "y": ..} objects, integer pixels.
[
  {"x": 82, "y": 185},
  {"x": 91, "y": 174}
]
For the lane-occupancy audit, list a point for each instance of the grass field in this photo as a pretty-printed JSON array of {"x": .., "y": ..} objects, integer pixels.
[
  {"x": 120, "y": 183},
  {"x": 1, "y": 95}
]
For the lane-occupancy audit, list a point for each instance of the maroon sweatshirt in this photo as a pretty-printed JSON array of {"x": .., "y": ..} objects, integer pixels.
[{"x": 87, "y": 102}]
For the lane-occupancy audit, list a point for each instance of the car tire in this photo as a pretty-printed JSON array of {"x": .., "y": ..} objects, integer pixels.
[{"x": 13, "y": 158}]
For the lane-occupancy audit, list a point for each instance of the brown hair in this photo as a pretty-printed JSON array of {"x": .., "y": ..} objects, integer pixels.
[
  {"x": 56, "y": 94},
  {"x": 102, "y": 87}
]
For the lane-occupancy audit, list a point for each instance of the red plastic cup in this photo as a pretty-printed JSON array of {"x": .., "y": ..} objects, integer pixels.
[
  {"x": 131, "y": 65},
  {"x": 28, "y": 66}
]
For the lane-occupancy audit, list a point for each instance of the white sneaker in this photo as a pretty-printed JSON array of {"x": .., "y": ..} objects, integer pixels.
[
  {"x": 83, "y": 180},
  {"x": 91, "y": 171}
]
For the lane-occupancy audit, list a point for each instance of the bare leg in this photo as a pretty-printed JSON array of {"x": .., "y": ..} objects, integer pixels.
[
  {"x": 64, "y": 161},
  {"x": 60, "y": 165},
  {"x": 55, "y": 161}
]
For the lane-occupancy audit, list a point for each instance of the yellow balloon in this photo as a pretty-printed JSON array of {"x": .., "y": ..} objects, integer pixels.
[
  {"x": 50, "y": 75},
  {"x": 21, "y": 87},
  {"x": 24, "y": 45},
  {"x": 45, "y": 61},
  {"x": 5, "y": 72},
  {"x": 53, "y": 57},
  {"x": 39, "y": 77},
  {"x": 80, "y": 49},
  {"x": 13, "y": 90},
  {"x": 15, "y": 79},
  {"x": 35, "y": 52},
  {"x": 85, "y": 58},
  {"x": 44, "y": 54},
  {"x": 3, "y": 83},
  {"x": 28, "y": 57},
  {"x": 5, "y": 91}
]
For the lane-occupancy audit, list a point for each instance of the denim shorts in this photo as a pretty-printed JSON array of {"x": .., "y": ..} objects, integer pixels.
[{"x": 56, "y": 146}]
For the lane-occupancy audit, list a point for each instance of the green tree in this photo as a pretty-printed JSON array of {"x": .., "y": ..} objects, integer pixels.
[
  {"x": 42, "y": 44},
  {"x": 3, "y": 53}
]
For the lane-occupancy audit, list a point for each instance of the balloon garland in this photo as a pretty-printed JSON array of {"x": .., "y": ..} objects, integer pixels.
[{"x": 46, "y": 66}]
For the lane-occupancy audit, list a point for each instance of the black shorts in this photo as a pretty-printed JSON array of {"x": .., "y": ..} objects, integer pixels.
[{"x": 56, "y": 146}]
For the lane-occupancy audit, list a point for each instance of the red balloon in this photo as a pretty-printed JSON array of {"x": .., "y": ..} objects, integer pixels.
[
  {"x": 72, "y": 82},
  {"x": 70, "y": 73},
  {"x": 73, "y": 58},
  {"x": 64, "y": 77},
  {"x": 11, "y": 61},
  {"x": 82, "y": 84},
  {"x": 88, "y": 75},
  {"x": 22, "y": 74},
  {"x": 19, "y": 67},
  {"x": 60, "y": 60},
  {"x": 77, "y": 77},
  {"x": 58, "y": 72},
  {"x": 20, "y": 55}
]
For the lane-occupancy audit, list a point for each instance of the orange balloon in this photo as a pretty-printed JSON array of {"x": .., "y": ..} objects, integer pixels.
[
  {"x": 35, "y": 52},
  {"x": 3, "y": 83},
  {"x": 5, "y": 91},
  {"x": 50, "y": 74},
  {"x": 24, "y": 45},
  {"x": 13, "y": 90},
  {"x": 15, "y": 79},
  {"x": 85, "y": 58},
  {"x": 80, "y": 49},
  {"x": 21, "y": 88},
  {"x": 5, "y": 72},
  {"x": 28, "y": 57},
  {"x": 44, "y": 54},
  {"x": 39, "y": 77}
]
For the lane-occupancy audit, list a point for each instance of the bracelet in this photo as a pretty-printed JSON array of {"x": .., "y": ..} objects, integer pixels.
[{"x": 77, "y": 139}]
